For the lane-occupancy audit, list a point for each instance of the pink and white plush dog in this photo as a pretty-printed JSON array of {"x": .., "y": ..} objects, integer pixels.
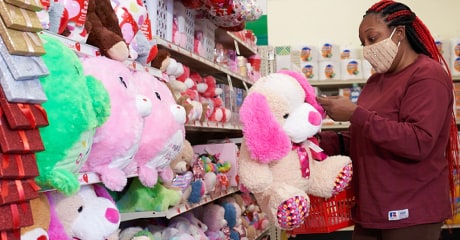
[{"x": 280, "y": 161}]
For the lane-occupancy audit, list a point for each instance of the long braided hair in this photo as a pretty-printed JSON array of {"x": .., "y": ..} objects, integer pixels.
[{"x": 421, "y": 40}]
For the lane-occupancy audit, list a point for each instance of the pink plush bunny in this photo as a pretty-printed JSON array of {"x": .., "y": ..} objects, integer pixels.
[
  {"x": 116, "y": 142},
  {"x": 163, "y": 134}
]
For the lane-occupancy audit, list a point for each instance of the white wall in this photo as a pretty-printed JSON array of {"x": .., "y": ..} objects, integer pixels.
[{"x": 296, "y": 22}]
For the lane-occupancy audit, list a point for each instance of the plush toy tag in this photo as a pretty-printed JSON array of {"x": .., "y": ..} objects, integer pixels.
[{"x": 314, "y": 147}]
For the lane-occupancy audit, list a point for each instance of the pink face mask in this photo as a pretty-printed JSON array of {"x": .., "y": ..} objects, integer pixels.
[{"x": 382, "y": 54}]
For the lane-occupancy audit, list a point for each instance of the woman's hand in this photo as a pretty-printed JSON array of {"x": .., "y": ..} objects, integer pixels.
[{"x": 338, "y": 108}]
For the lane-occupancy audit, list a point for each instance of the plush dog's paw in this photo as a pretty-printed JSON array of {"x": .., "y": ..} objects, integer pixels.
[
  {"x": 343, "y": 179},
  {"x": 292, "y": 212}
]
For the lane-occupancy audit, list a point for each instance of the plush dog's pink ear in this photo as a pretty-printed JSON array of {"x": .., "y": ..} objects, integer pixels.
[
  {"x": 102, "y": 192},
  {"x": 264, "y": 136}
]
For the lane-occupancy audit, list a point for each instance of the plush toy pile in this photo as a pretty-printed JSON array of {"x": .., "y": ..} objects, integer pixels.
[{"x": 280, "y": 161}]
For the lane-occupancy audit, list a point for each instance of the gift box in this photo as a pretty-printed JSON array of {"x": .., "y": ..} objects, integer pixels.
[
  {"x": 15, "y": 191},
  {"x": 25, "y": 91},
  {"x": 23, "y": 115},
  {"x": 19, "y": 141},
  {"x": 32, "y": 5},
  {"x": 23, "y": 67},
  {"x": 15, "y": 216},
  {"x": 18, "y": 18},
  {"x": 14, "y": 234},
  {"x": 18, "y": 166},
  {"x": 20, "y": 42}
]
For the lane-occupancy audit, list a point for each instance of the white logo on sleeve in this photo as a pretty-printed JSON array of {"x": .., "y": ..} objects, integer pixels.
[{"x": 398, "y": 214}]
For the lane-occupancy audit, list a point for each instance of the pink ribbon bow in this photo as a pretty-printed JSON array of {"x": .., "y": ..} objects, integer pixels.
[{"x": 303, "y": 156}]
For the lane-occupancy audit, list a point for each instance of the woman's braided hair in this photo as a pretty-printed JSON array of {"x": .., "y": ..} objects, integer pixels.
[{"x": 421, "y": 40}]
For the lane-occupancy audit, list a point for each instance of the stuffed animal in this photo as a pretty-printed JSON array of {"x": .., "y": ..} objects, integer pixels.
[
  {"x": 76, "y": 106},
  {"x": 231, "y": 216},
  {"x": 181, "y": 167},
  {"x": 104, "y": 31},
  {"x": 161, "y": 59},
  {"x": 219, "y": 112},
  {"x": 41, "y": 215},
  {"x": 136, "y": 233},
  {"x": 187, "y": 223},
  {"x": 213, "y": 215},
  {"x": 139, "y": 198},
  {"x": 237, "y": 229},
  {"x": 280, "y": 163},
  {"x": 253, "y": 217},
  {"x": 163, "y": 132},
  {"x": 89, "y": 214},
  {"x": 244, "y": 229},
  {"x": 211, "y": 89},
  {"x": 117, "y": 140}
]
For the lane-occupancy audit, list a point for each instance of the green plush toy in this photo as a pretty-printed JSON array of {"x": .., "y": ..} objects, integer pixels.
[
  {"x": 76, "y": 106},
  {"x": 139, "y": 198}
]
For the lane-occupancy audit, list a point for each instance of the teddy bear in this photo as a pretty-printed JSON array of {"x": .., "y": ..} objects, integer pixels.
[
  {"x": 41, "y": 216},
  {"x": 163, "y": 131},
  {"x": 181, "y": 168},
  {"x": 89, "y": 214},
  {"x": 117, "y": 140},
  {"x": 213, "y": 216},
  {"x": 211, "y": 94},
  {"x": 77, "y": 105},
  {"x": 104, "y": 31},
  {"x": 280, "y": 161},
  {"x": 190, "y": 175}
]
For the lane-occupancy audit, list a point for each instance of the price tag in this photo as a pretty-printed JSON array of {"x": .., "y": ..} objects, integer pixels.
[
  {"x": 230, "y": 84},
  {"x": 245, "y": 86},
  {"x": 237, "y": 49}
]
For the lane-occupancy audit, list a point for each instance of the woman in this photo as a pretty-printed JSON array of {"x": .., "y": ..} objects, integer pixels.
[{"x": 402, "y": 138}]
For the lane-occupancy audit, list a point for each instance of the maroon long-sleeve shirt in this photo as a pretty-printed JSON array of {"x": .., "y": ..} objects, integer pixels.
[{"x": 397, "y": 141}]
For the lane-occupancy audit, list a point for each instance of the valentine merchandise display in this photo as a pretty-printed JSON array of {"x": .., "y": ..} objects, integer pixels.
[
  {"x": 91, "y": 135},
  {"x": 77, "y": 104},
  {"x": 117, "y": 140},
  {"x": 282, "y": 177},
  {"x": 88, "y": 214}
]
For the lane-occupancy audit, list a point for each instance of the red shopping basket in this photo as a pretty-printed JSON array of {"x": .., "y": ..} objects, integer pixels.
[{"x": 328, "y": 215}]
